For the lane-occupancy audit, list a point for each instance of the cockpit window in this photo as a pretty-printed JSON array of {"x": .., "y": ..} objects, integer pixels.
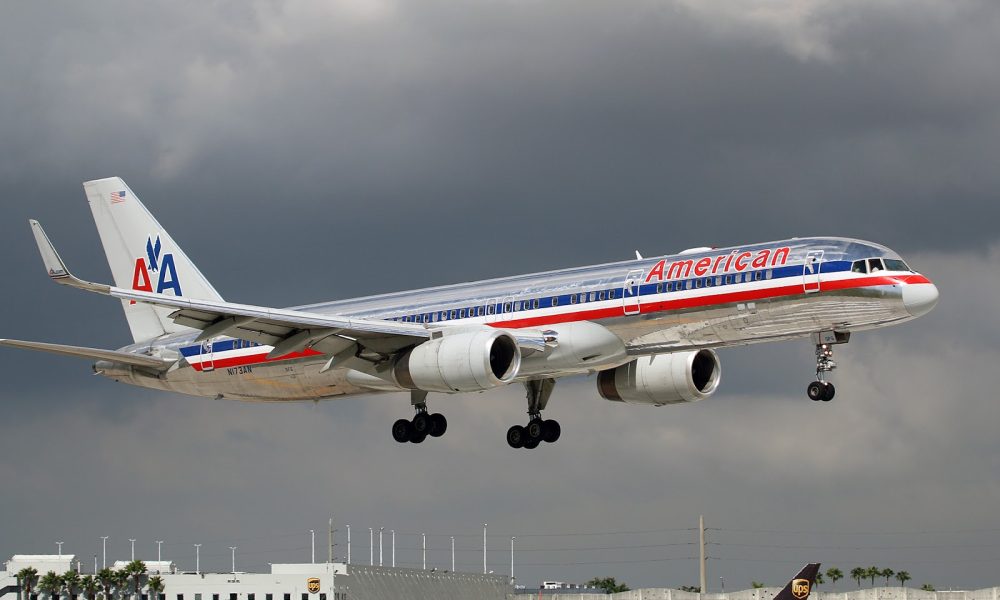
[
  {"x": 859, "y": 266},
  {"x": 894, "y": 264},
  {"x": 875, "y": 264}
]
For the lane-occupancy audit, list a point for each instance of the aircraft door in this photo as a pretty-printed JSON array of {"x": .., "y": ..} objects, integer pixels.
[
  {"x": 811, "y": 270},
  {"x": 630, "y": 292},
  {"x": 207, "y": 356},
  {"x": 493, "y": 309}
]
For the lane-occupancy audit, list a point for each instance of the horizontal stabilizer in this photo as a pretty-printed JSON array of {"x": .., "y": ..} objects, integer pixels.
[{"x": 93, "y": 353}]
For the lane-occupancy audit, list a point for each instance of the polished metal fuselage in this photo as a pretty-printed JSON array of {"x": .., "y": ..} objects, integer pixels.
[{"x": 791, "y": 300}]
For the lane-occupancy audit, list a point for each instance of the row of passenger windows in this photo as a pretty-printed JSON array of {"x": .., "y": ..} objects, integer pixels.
[
  {"x": 582, "y": 297},
  {"x": 874, "y": 265}
]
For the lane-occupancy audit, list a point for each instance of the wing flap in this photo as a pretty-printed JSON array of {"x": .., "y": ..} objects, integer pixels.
[{"x": 92, "y": 353}]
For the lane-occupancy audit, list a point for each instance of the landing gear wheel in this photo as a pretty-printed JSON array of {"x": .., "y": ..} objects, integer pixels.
[
  {"x": 816, "y": 391},
  {"x": 402, "y": 431},
  {"x": 535, "y": 430},
  {"x": 551, "y": 430},
  {"x": 829, "y": 392},
  {"x": 421, "y": 424},
  {"x": 516, "y": 436},
  {"x": 439, "y": 425},
  {"x": 418, "y": 438},
  {"x": 532, "y": 444}
]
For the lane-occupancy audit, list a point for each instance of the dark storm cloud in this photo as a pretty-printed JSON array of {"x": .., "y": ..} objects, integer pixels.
[{"x": 301, "y": 151}]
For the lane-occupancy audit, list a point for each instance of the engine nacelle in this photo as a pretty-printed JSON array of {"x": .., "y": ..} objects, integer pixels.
[
  {"x": 469, "y": 361},
  {"x": 662, "y": 379}
]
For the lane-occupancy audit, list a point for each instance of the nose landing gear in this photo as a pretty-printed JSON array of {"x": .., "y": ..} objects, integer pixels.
[
  {"x": 537, "y": 430},
  {"x": 423, "y": 423},
  {"x": 821, "y": 389}
]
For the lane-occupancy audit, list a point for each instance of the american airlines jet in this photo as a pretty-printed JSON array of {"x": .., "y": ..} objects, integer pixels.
[{"x": 646, "y": 327}]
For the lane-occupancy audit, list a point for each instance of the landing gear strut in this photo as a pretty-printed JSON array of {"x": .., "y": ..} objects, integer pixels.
[
  {"x": 423, "y": 423},
  {"x": 537, "y": 430},
  {"x": 821, "y": 389}
]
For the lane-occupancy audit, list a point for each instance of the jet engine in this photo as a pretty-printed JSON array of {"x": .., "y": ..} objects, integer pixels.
[
  {"x": 468, "y": 361},
  {"x": 662, "y": 378}
]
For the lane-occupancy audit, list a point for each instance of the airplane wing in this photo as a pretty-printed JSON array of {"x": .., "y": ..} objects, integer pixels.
[
  {"x": 287, "y": 330},
  {"x": 95, "y": 353}
]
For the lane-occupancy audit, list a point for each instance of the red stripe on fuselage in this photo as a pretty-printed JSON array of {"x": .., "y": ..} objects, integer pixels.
[
  {"x": 708, "y": 300},
  {"x": 253, "y": 359}
]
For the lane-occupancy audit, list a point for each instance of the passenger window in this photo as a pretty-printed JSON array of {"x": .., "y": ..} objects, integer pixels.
[
  {"x": 768, "y": 274},
  {"x": 699, "y": 283},
  {"x": 718, "y": 280},
  {"x": 454, "y": 314},
  {"x": 670, "y": 286},
  {"x": 859, "y": 266},
  {"x": 583, "y": 298},
  {"x": 572, "y": 298},
  {"x": 535, "y": 303},
  {"x": 659, "y": 288},
  {"x": 875, "y": 265},
  {"x": 555, "y": 300},
  {"x": 489, "y": 309},
  {"x": 420, "y": 318},
  {"x": 611, "y": 294},
  {"x": 758, "y": 276},
  {"x": 600, "y": 295}
]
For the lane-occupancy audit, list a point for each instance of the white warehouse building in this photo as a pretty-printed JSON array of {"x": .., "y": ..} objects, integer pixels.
[{"x": 321, "y": 581}]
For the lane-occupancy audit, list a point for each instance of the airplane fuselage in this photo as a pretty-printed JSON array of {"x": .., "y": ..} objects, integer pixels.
[{"x": 598, "y": 317}]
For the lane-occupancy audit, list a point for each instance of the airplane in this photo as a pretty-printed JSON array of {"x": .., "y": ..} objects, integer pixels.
[
  {"x": 801, "y": 585},
  {"x": 648, "y": 327}
]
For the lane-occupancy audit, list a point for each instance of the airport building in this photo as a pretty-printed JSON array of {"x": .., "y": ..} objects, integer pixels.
[{"x": 309, "y": 581}]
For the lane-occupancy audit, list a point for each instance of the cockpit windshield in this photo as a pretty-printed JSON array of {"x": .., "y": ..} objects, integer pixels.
[{"x": 875, "y": 265}]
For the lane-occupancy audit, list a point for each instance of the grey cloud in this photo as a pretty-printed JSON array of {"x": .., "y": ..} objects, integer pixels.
[{"x": 300, "y": 152}]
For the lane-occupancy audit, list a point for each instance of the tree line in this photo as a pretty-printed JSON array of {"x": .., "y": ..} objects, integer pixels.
[{"x": 109, "y": 584}]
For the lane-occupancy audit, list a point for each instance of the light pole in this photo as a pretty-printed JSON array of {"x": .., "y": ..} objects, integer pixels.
[
  {"x": 371, "y": 546},
  {"x": 348, "y": 544},
  {"x": 512, "y": 538},
  {"x": 380, "y": 530},
  {"x": 484, "y": 548},
  {"x": 60, "y": 547},
  {"x": 452, "y": 554},
  {"x": 159, "y": 556},
  {"x": 133, "y": 548},
  {"x": 104, "y": 546},
  {"x": 197, "y": 559},
  {"x": 95, "y": 564},
  {"x": 393, "y": 532},
  {"x": 423, "y": 548},
  {"x": 312, "y": 544},
  {"x": 722, "y": 582},
  {"x": 233, "y": 548}
]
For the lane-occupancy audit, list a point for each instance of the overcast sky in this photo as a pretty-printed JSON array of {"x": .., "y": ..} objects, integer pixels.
[{"x": 308, "y": 150}]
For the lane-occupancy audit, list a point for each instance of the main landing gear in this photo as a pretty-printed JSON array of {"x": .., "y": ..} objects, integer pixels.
[
  {"x": 423, "y": 423},
  {"x": 821, "y": 389},
  {"x": 537, "y": 430}
]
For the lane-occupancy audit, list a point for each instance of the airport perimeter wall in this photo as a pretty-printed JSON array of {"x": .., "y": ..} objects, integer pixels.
[{"x": 879, "y": 593}]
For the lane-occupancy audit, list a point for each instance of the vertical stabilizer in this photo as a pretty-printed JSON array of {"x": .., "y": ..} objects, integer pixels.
[
  {"x": 142, "y": 256},
  {"x": 801, "y": 586}
]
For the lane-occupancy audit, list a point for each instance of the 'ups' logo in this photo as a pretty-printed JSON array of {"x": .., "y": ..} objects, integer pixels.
[
  {"x": 800, "y": 588},
  {"x": 312, "y": 584}
]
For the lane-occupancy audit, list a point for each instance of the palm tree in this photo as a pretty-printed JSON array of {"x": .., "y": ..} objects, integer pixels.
[
  {"x": 927, "y": 587},
  {"x": 834, "y": 574},
  {"x": 136, "y": 569},
  {"x": 27, "y": 578},
  {"x": 872, "y": 572},
  {"x": 89, "y": 585},
  {"x": 120, "y": 581},
  {"x": 756, "y": 585},
  {"x": 858, "y": 573},
  {"x": 71, "y": 581},
  {"x": 106, "y": 577},
  {"x": 819, "y": 579},
  {"x": 903, "y": 577},
  {"x": 155, "y": 585},
  {"x": 51, "y": 584},
  {"x": 887, "y": 573}
]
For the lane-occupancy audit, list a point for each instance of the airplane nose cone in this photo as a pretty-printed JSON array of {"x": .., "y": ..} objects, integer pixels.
[{"x": 920, "y": 298}]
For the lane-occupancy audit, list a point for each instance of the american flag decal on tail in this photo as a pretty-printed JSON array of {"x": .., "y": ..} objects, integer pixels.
[{"x": 118, "y": 197}]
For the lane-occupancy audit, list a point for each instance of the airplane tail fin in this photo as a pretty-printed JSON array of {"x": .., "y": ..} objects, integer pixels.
[
  {"x": 801, "y": 585},
  {"x": 142, "y": 256}
]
